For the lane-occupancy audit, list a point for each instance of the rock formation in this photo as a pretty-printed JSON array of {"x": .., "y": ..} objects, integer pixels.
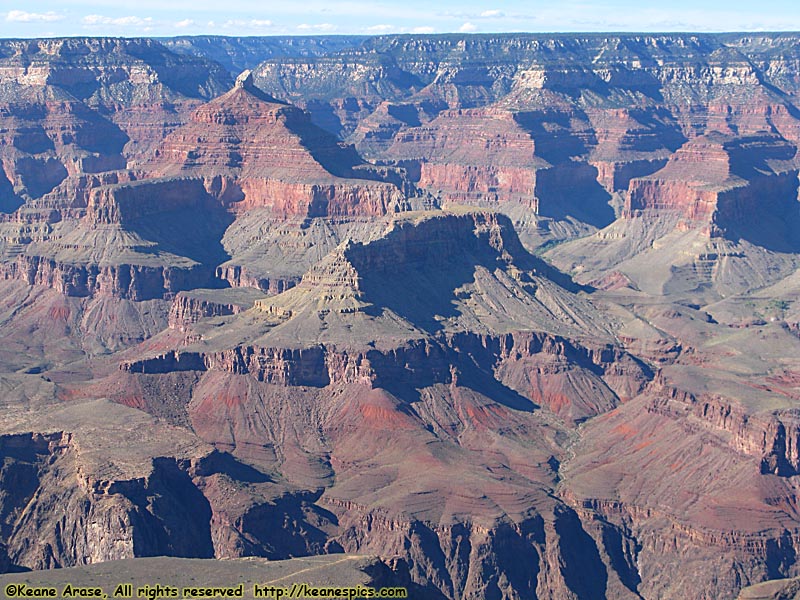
[
  {"x": 704, "y": 201},
  {"x": 238, "y": 152},
  {"x": 515, "y": 314}
]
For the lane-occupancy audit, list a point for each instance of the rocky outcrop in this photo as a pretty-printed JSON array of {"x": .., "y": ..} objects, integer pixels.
[
  {"x": 316, "y": 367},
  {"x": 455, "y": 558},
  {"x": 71, "y": 197},
  {"x": 431, "y": 240},
  {"x": 238, "y": 276},
  {"x": 573, "y": 381},
  {"x": 125, "y": 203},
  {"x": 135, "y": 282},
  {"x": 189, "y": 308},
  {"x": 274, "y": 156},
  {"x": 34, "y": 461},
  {"x": 774, "y": 439},
  {"x": 721, "y": 182},
  {"x": 196, "y": 508}
]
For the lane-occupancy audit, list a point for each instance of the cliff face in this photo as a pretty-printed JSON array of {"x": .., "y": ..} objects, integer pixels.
[
  {"x": 90, "y": 104},
  {"x": 573, "y": 382},
  {"x": 475, "y": 155},
  {"x": 240, "y": 152},
  {"x": 272, "y": 155},
  {"x": 127, "y": 203},
  {"x": 190, "y": 307},
  {"x": 697, "y": 530},
  {"x": 136, "y": 282},
  {"x": 722, "y": 180},
  {"x": 187, "y": 508},
  {"x": 490, "y": 119}
]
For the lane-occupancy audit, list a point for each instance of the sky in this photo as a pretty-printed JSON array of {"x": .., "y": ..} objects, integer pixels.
[{"x": 51, "y": 18}]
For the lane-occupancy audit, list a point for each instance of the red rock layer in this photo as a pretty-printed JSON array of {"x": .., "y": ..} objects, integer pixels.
[
  {"x": 274, "y": 156},
  {"x": 719, "y": 179},
  {"x": 630, "y": 143},
  {"x": 472, "y": 154},
  {"x": 774, "y": 439},
  {"x": 147, "y": 124},
  {"x": 242, "y": 132},
  {"x": 338, "y": 197},
  {"x": 683, "y": 507},
  {"x": 573, "y": 380}
]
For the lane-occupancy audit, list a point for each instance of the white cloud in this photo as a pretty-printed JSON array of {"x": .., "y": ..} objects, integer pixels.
[
  {"x": 130, "y": 21},
  {"x": 424, "y": 29},
  {"x": 317, "y": 27},
  {"x": 488, "y": 14},
  {"x": 380, "y": 28},
  {"x": 20, "y": 16},
  {"x": 467, "y": 28},
  {"x": 245, "y": 24},
  {"x": 185, "y": 23}
]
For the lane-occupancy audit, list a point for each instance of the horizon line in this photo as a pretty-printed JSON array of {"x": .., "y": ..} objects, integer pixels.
[{"x": 409, "y": 34}]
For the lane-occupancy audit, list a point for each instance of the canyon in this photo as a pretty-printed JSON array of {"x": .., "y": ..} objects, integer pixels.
[{"x": 492, "y": 316}]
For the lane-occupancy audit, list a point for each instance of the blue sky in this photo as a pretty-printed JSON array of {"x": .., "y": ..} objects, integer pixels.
[{"x": 36, "y": 18}]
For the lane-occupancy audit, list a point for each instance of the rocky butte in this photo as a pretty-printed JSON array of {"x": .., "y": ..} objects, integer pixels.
[{"x": 485, "y": 316}]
